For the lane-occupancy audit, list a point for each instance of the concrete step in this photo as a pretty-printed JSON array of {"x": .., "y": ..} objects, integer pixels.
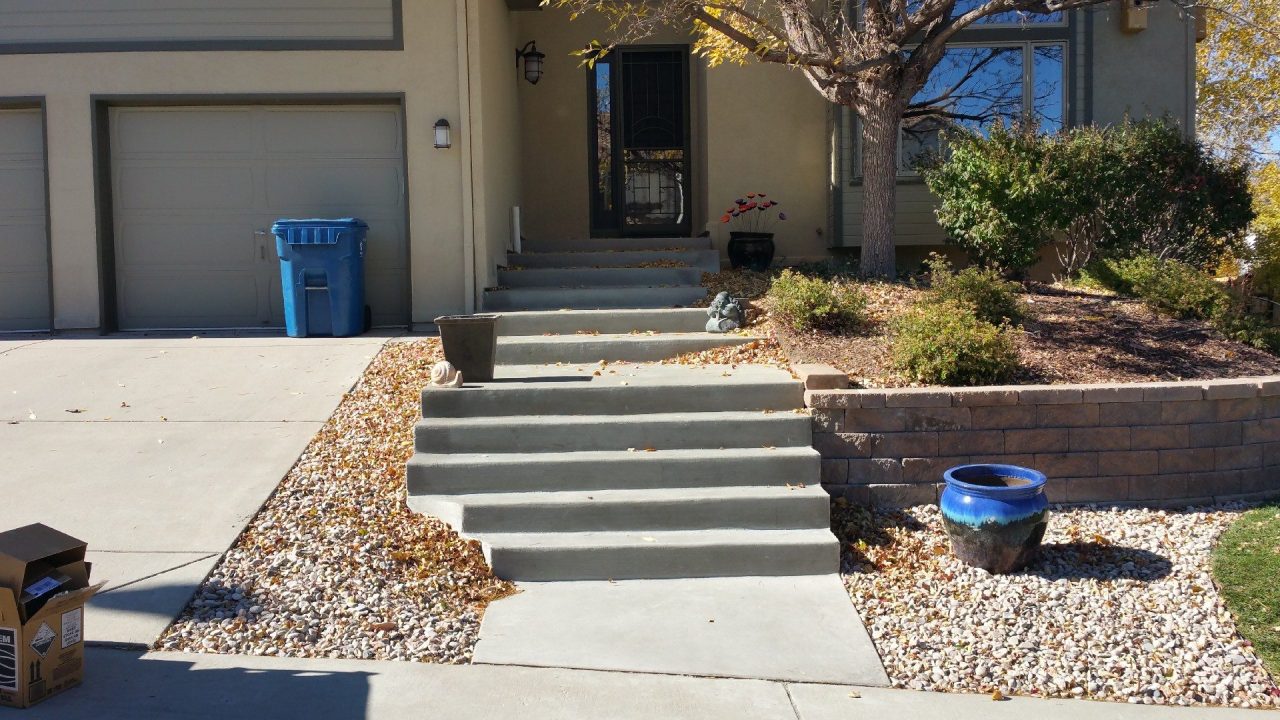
[
  {"x": 704, "y": 260},
  {"x": 598, "y": 277},
  {"x": 443, "y": 474},
  {"x": 647, "y": 389},
  {"x": 594, "y": 298},
  {"x": 569, "y": 433},
  {"x": 760, "y": 507},
  {"x": 568, "y": 322},
  {"x": 533, "y": 350},
  {"x": 613, "y": 244},
  {"x": 661, "y": 554}
]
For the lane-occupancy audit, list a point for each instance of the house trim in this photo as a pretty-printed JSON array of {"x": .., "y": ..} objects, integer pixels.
[
  {"x": 105, "y": 213},
  {"x": 395, "y": 42}
]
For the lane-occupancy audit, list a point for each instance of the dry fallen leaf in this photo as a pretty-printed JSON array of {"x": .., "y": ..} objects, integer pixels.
[{"x": 998, "y": 696}]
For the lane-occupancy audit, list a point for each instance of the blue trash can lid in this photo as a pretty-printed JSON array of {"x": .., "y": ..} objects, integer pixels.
[{"x": 340, "y": 223}]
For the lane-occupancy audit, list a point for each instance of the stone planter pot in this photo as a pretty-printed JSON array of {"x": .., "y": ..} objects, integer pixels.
[
  {"x": 995, "y": 515},
  {"x": 752, "y": 250},
  {"x": 471, "y": 344}
]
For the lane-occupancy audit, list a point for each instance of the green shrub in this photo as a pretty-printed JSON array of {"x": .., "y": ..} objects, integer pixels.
[
  {"x": 1265, "y": 261},
  {"x": 948, "y": 344},
  {"x": 995, "y": 199},
  {"x": 808, "y": 303},
  {"x": 1124, "y": 190},
  {"x": 993, "y": 298}
]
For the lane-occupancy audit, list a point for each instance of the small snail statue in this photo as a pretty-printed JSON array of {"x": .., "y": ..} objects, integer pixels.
[{"x": 445, "y": 375}]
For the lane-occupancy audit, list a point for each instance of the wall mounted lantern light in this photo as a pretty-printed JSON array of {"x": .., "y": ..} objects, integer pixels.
[
  {"x": 442, "y": 134},
  {"x": 532, "y": 61}
]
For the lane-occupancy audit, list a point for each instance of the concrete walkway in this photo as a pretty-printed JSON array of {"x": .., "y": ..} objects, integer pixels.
[
  {"x": 125, "y": 684},
  {"x": 799, "y": 628},
  {"x": 157, "y": 450}
]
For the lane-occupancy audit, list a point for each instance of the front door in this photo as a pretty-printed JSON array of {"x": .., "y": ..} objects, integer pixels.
[{"x": 638, "y": 142}]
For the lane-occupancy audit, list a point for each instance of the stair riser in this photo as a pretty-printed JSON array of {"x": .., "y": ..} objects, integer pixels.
[
  {"x": 657, "y": 561},
  {"x": 592, "y": 298},
  {"x": 600, "y": 244},
  {"x": 621, "y": 400},
  {"x": 703, "y": 260},
  {"x": 568, "y": 474},
  {"x": 790, "y": 510},
  {"x": 439, "y": 436},
  {"x": 608, "y": 322},
  {"x": 599, "y": 277},
  {"x": 653, "y": 348}
]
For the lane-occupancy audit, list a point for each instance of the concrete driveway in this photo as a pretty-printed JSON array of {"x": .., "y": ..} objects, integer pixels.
[{"x": 157, "y": 450}]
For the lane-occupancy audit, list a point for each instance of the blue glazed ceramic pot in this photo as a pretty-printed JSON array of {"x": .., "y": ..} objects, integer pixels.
[{"x": 995, "y": 515}]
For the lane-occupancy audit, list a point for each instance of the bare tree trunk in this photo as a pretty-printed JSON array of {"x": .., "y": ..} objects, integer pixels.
[{"x": 879, "y": 186}]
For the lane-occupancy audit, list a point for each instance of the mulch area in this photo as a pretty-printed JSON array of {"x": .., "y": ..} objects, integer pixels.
[{"x": 1069, "y": 336}]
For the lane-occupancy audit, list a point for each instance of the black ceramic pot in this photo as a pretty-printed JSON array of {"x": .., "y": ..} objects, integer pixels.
[{"x": 751, "y": 250}]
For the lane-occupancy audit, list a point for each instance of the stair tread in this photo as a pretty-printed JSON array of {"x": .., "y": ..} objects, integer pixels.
[
  {"x": 605, "y": 456},
  {"x": 779, "y": 492},
  {"x": 637, "y": 337},
  {"x": 719, "y": 416},
  {"x": 659, "y": 538}
]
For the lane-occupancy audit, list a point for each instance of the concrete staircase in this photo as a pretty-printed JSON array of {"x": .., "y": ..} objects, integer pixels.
[
  {"x": 605, "y": 273},
  {"x": 591, "y": 472}
]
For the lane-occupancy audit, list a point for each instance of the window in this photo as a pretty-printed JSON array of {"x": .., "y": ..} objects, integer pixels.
[
  {"x": 976, "y": 87},
  {"x": 1013, "y": 17}
]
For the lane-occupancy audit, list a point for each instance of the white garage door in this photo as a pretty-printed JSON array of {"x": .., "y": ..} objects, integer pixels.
[
  {"x": 24, "y": 245},
  {"x": 195, "y": 191}
]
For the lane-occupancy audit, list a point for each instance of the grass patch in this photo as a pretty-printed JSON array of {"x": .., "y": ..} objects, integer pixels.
[{"x": 1246, "y": 565}]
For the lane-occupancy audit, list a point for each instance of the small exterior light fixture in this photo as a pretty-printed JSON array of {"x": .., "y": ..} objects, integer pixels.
[
  {"x": 532, "y": 61},
  {"x": 442, "y": 134}
]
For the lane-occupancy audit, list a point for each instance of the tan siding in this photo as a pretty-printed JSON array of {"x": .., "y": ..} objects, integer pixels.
[{"x": 24, "y": 22}]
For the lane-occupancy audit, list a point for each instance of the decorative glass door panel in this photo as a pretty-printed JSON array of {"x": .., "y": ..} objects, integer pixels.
[{"x": 639, "y": 142}]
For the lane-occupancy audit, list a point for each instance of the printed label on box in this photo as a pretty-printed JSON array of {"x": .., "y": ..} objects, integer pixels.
[
  {"x": 72, "y": 627},
  {"x": 9, "y": 659},
  {"x": 43, "y": 639}
]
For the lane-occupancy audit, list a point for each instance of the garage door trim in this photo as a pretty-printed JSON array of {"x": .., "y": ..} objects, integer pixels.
[
  {"x": 102, "y": 171},
  {"x": 37, "y": 102}
]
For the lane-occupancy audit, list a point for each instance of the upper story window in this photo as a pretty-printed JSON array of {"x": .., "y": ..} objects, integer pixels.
[
  {"x": 977, "y": 86},
  {"x": 1012, "y": 17}
]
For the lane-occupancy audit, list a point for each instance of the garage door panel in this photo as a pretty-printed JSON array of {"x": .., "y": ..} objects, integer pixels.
[
  {"x": 184, "y": 299},
  {"x": 185, "y": 187},
  {"x": 24, "y": 301},
  {"x": 22, "y": 189},
  {"x": 24, "y": 242},
  {"x": 334, "y": 186},
  {"x": 366, "y": 133},
  {"x": 24, "y": 246},
  {"x": 217, "y": 131},
  {"x": 162, "y": 243},
  {"x": 194, "y": 184}
]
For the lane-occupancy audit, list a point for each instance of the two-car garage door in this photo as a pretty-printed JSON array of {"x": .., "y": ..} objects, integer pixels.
[{"x": 195, "y": 190}]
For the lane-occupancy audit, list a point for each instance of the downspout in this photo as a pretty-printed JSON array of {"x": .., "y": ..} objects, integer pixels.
[
  {"x": 468, "y": 158},
  {"x": 1189, "y": 25}
]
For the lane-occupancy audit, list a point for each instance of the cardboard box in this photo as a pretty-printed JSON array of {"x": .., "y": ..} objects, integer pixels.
[{"x": 44, "y": 584}]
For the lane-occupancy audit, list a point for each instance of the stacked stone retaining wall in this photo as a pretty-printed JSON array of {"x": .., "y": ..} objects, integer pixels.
[{"x": 1178, "y": 443}]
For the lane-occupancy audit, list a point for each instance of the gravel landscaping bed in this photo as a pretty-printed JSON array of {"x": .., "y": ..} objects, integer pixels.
[
  {"x": 335, "y": 564},
  {"x": 1120, "y": 606}
]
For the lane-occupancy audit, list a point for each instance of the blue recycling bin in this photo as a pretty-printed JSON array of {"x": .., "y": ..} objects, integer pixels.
[{"x": 322, "y": 270}]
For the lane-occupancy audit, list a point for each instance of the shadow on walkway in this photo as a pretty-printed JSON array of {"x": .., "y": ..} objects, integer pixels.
[{"x": 123, "y": 684}]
